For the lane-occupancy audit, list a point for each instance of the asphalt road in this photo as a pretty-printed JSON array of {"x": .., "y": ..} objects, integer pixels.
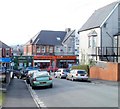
[{"x": 66, "y": 93}]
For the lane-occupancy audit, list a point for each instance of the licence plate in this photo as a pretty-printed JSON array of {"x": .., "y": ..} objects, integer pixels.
[{"x": 42, "y": 82}]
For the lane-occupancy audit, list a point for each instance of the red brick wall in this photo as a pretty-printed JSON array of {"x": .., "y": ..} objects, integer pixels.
[
  {"x": 118, "y": 72},
  {"x": 109, "y": 73}
]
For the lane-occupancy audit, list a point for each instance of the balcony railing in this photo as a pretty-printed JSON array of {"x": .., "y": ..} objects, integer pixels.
[{"x": 105, "y": 53}]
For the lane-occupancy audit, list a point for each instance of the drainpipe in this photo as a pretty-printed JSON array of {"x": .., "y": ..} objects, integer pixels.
[
  {"x": 101, "y": 41},
  {"x": 117, "y": 48},
  {"x": 112, "y": 42},
  {"x": 111, "y": 38}
]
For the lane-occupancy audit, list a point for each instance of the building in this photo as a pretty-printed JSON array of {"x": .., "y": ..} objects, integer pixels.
[
  {"x": 5, "y": 55},
  {"x": 97, "y": 35},
  {"x": 56, "y": 48}
]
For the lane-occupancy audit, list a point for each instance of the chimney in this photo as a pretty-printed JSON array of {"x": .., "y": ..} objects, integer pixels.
[{"x": 68, "y": 30}]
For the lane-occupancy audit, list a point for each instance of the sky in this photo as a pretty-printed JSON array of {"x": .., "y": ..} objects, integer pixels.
[{"x": 20, "y": 20}]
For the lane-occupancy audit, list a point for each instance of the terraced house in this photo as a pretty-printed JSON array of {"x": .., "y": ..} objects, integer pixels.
[
  {"x": 52, "y": 48},
  {"x": 5, "y": 54},
  {"x": 100, "y": 35}
]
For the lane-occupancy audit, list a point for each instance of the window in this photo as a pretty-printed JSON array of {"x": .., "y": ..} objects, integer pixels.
[
  {"x": 58, "y": 38},
  {"x": 115, "y": 41},
  {"x": 43, "y": 49},
  {"x": 69, "y": 49},
  {"x": 7, "y": 51},
  {"x": 94, "y": 42},
  {"x": 77, "y": 41},
  {"x": 51, "y": 50},
  {"x": 57, "y": 49},
  {"x": 89, "y": 41},
  {"x": 77, "y": 49},
  {"x": 38, "y": 49}
]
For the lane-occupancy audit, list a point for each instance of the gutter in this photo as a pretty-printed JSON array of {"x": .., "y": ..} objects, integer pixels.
[{"x": 88, "y": 29}]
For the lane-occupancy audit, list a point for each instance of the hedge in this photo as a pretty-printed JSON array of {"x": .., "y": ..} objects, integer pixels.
[{"x": 82, "y": 67}]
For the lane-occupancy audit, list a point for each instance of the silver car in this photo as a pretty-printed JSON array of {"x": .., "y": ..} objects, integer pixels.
[
  {"x": 62, "y": 73},
  {"x": 77, "y": 75}
]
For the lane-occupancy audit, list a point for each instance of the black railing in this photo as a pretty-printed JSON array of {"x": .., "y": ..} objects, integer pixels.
[{"x": 107, "y": 53}]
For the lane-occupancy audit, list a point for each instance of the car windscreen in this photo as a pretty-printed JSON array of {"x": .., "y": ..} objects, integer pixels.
[
  {"x": 66, "y": 70},
  {"x": 38, "y": 74},
  {"x": 81, "y": 72}
]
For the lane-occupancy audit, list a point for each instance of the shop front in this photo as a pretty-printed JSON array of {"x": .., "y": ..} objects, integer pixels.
[
  {"x": 42, "y": 62},
  {"x": 6, "y": 62},
  {"x": 56, "y": 61},
  {"x": 22, "y": 61}
]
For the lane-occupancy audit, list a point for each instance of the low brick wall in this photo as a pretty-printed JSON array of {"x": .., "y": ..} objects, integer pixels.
[{"x": 111, "y": 72}]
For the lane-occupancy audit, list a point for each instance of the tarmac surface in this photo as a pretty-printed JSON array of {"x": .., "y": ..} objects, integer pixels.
[{"x": 18, "y": 96}]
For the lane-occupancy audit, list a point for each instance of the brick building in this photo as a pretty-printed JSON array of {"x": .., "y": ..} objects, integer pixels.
[
  {"x": 5, "y": 54},
  {"x": 47, "y": 45}
]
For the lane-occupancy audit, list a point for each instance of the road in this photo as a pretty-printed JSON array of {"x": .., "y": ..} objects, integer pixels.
[{"x": 66, "y": 93}]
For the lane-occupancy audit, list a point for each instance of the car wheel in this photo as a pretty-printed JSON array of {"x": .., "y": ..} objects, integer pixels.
[
  {"x": 17, "y": 77},
  {"x": 72, "y": 78},
  {"x": 60, "y": 77},
  {"x": 51, "y": 85},
  {"x": 33, "y": 87}
]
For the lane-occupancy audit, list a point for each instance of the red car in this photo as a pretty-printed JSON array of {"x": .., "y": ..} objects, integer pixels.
[{"x": 52, "y": 69}]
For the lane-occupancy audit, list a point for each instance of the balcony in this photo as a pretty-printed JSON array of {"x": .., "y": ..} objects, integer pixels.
[{"x": 105, "y": 53}]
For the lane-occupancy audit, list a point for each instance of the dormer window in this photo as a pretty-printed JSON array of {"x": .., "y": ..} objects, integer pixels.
[{"x": 58, "y": 38}]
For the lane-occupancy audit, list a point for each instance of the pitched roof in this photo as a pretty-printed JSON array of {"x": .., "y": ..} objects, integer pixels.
[
  {"x": 98, "y": 17},
  {"x": 46, "y": 37},
  {"x": 3, "y": 45},
  {"x": 68, "y": 35}
]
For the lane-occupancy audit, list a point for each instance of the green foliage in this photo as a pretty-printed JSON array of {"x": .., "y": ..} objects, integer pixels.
[
  {"x": 91, "y": 62},
  {"x": 2, "y": 97},
  {"x": 82, "y": 67}
]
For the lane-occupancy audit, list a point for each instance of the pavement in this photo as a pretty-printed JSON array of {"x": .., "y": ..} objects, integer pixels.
[
  {"x": 105, "y": 82},
  {"x": 18, "y": 96}
]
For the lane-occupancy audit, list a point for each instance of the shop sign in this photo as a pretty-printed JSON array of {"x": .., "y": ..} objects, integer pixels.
[{"x": 5, "y": 60}]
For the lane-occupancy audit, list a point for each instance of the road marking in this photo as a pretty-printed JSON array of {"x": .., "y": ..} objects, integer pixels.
[{"x": 35, "y": 97}]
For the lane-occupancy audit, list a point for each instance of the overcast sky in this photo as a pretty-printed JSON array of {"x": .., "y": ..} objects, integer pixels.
[{"x": 20, "y": 20}]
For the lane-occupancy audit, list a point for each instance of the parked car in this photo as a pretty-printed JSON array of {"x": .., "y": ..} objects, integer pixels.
[
  {"x": 62, "y": 73},
  {"x": 29, "y": 74},
  {"x": 2, "y": 74},
  {"x": 25, "y": 71},
  {"x": 77, "y": 75},
  {"x": 41, "y": 78},
  {"x": 52, "y": 69},
  {"x": 17, "y": 73}
]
